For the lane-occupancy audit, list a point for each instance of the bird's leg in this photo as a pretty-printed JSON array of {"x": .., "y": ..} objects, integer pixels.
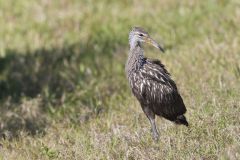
[
  {"x": 151, "y": 116},
  {"x": 155, "y": 133}
]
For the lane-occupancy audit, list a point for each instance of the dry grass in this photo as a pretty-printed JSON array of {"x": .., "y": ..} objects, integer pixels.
[{"x": 64, "y": 95}]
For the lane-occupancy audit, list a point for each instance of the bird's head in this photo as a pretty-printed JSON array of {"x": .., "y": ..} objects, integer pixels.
[{"x": 138, "y": 36}]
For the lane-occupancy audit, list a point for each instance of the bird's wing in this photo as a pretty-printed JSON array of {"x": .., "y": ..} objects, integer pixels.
[
  {"x": 156, "y": 88},
  {"x": 154, "y": 70}
]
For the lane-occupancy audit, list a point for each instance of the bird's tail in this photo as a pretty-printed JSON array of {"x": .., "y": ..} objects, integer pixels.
[{"x": 181, "y": 120}]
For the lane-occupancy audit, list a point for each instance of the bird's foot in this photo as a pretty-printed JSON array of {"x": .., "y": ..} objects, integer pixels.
[{"x": 155, "y": 135}]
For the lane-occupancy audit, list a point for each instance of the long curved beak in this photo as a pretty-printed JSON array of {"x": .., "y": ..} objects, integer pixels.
[{"x": 155, "y": 44}]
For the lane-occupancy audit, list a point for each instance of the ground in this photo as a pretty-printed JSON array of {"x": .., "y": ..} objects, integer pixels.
[{"x": 63, "y": 91}]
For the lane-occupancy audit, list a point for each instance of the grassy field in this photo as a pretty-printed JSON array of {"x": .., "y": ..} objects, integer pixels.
[{"x": 63, "y": 91}]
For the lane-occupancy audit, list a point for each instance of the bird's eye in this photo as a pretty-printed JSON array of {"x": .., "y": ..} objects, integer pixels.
[{"x": 140, "y": 34}]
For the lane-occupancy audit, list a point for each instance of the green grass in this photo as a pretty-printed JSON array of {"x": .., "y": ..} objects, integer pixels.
[{"x": 63, "y": 91}]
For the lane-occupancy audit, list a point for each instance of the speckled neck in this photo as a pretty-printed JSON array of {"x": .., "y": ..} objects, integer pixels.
[{"x": 135, "y": 59}]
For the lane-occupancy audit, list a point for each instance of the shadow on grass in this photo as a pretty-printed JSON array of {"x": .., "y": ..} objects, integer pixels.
[
  {"x": 45, "y": 73},
  {"x": 29, "y": 74}
]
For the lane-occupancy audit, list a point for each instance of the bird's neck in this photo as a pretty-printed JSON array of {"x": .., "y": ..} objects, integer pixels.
[{"x": 136, "y": 58}]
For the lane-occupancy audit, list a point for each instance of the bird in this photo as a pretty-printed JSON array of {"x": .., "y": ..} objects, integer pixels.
[{"x": 152, "y": 84}]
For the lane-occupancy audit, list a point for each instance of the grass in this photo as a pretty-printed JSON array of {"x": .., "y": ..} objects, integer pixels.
[{"x": 63, "y": 91}]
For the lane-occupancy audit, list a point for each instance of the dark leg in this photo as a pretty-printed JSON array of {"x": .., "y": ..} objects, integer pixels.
[
  {"x": 155, "y": 133},
  {"x": 151, "y": 116}
]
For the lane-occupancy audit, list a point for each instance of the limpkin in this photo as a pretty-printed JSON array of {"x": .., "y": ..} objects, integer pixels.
[{"x": 151, "y": 83}]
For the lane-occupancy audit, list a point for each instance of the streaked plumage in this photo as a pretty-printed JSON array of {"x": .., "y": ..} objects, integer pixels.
[{"x": 151, "y": 83}]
